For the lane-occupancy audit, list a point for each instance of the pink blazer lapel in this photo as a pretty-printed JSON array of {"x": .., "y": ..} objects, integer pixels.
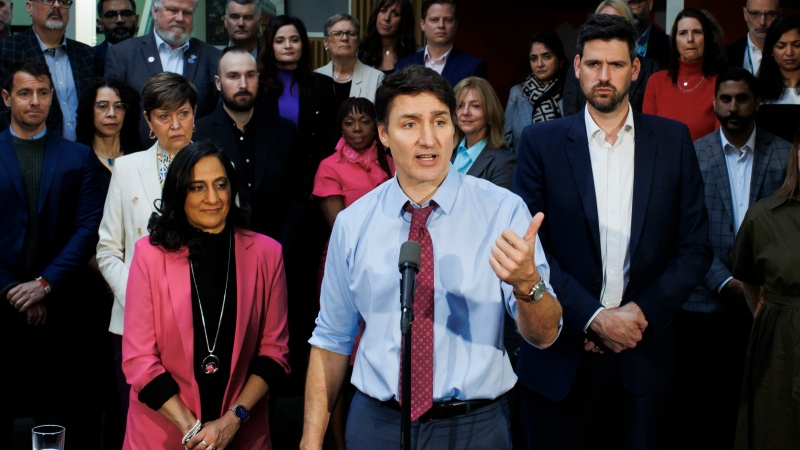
[
  {"x": 180, "y": 294},
  {"x": 246, "y": 289}
]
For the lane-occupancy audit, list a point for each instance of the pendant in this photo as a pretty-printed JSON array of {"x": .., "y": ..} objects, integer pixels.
[
  {"x": 685, "y": 83},
  {"x": 210, "y": 364}
]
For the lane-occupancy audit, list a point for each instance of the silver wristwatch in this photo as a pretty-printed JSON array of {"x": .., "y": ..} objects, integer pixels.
[{"x": 537, "y": 291}]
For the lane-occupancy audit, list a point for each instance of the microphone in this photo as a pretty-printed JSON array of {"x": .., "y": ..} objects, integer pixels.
[{"x": 409, "y": 267}]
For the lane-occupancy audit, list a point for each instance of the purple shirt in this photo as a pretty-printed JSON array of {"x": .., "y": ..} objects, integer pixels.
[{"x": 289, "y": 101}]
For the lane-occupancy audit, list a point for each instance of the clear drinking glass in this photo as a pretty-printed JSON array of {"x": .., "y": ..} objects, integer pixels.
[{"x": 48, "y": 437}]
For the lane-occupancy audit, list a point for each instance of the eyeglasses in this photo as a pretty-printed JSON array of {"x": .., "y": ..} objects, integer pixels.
[
  {"x": 65, "y": 4},
  {"x": 126, "y": 14},
  {"x": 757, "y": 15},
  {"x": 103, "y": 107},
  {"x": 338, "y": 34}
]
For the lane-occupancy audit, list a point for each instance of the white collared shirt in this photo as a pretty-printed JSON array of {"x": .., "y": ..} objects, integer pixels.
[
  {"x": 752, "y": 54},
  {"x": 740, "y": 171},
  {"x": 612, "y": 170},
  {"x": 171, "y": 60},
  {"x": 437, "y": 64}
]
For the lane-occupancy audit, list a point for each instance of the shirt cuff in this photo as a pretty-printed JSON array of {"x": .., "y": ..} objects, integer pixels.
[
  {"x": 722, "y": 285},
  {"x": 269, "y": 370},
  {"x": 158, "y": 391},
  {"x": 592, "y": 318}
]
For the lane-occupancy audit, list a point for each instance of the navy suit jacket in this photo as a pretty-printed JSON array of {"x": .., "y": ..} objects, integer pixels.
[
  {"x": 101, "y": 50},
  {"x": 459, "y": 65},
  {"x": 83, "y": 60},
  {"x": 735, "y": 52},
  {"x": 70, "y": 207},
  {"x": 669, "y": 247},
  {"x": 770, "y": 158},
  {"x": 135, "y": 60}
]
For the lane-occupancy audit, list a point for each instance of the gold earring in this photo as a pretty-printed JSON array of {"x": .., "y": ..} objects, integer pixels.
[
  {"x": 151, "y": 135},
  {"x": 194, "y": 128}
]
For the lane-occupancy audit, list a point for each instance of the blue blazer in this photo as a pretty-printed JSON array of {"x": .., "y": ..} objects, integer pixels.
[
  {"x": 135, "y": 60},
  {"x": 70, "y": 207},
  {"x": 669, "y": 247},
  {"x": 459, "y": 65},
  {"x": 770, "y": 158}
]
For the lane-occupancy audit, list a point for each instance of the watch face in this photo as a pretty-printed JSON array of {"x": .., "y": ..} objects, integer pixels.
[{"x": 241, "y": 412}]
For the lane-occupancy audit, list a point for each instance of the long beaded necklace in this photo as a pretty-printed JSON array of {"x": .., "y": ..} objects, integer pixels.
[{"x": 210, "y": 363}]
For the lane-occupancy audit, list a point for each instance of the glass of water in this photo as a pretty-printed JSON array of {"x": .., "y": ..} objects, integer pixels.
[{"x": 48, "y": 437}]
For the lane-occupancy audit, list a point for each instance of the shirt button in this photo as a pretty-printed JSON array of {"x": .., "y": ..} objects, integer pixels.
[
  {"x": 247, "y": 160},
  {"x": 139, "y": 230},
  {"x": 249, "y": 185},
  {"x": 135, "y": 200},
  {"x": 613, "y": 240},
  {"x": 241, "y": 138}
]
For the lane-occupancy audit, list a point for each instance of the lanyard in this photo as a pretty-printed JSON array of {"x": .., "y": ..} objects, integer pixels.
[{"x": 750, "y": 59}]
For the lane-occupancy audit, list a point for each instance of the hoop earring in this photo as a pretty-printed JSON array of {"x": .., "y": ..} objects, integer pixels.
[{"x": 151, "y": 135}]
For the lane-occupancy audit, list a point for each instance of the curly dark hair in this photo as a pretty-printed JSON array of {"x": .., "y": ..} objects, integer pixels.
[
  {"x": 303, "y": 76},
  {"x": 361, "y": 105},
  {"x": 169, "y": 227},
  {"x": 769, "y": 75},
  {"x": 370, "y": 51},
  {"x": 129, "y": 134}
]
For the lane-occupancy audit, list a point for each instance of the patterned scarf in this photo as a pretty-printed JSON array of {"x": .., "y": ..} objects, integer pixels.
[
  {"x": 366, "y": 159},
  {"x": 543, "y": 98}
]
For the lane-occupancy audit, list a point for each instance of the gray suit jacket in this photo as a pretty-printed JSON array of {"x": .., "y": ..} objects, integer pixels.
[
  {"x": 135, "y": 60},
  {"x": 769, "y": 164},
  {"x": 495, "y": 165}
]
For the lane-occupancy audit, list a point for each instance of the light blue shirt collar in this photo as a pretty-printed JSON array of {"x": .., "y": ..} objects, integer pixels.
[
  {"x": 160, "y": 41},
  {"x": 62, "y": 45},
  {"x": 465, "y": 157},
  {"x": 445, "y": 195},
  {"x": 35, "y": 136}
]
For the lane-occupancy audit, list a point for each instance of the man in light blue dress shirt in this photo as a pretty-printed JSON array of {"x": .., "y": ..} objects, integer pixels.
[{"x": 480, "y": 265}]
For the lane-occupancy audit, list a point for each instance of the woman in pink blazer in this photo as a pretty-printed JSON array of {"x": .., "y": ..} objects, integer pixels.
[{"x": 205, "y": 320}]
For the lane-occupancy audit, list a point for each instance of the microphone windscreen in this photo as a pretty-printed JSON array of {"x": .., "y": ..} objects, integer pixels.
[{"x": 409, "y": 253}]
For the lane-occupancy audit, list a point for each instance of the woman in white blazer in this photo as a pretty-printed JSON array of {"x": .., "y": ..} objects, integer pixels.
[
  {"x": 351, "y": 77},
  {"x": 169, "y": 108}
]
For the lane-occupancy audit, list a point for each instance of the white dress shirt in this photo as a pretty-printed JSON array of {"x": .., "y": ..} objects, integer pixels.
[
  {"x": 752, "y": 56},
  {"x": 436, "y": 64},
  {"x": 612, "y": 170},
  {"x": 740, "y": 171}
]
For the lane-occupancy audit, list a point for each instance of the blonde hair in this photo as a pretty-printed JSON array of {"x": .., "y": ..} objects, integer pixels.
[
  {"x": 492, "y": 110},
  {"x": 622, "y": 8}
]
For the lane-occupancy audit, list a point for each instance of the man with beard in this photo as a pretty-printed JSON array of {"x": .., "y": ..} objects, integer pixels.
[
  {"x": 652, "y": 42},
  {"x": 626, "y": 235},
  {"x": 243, "y": 22},
  {"x": 740, "y": 164},
  {"x": 169, "y": 48},
  {"x": 117, "y": 19},
  {"x": 747, "y": 51},
  {"x": 6, "y": 13},
  {"x": 259, "y": 144},
  {"x": 73, "y": 65}
]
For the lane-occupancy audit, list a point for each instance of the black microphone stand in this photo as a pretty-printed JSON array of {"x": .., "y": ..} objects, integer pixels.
[{"x": 407, "y": 284}]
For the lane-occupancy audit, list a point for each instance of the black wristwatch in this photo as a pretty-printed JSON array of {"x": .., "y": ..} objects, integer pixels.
[{"x": 241, "y": 412}]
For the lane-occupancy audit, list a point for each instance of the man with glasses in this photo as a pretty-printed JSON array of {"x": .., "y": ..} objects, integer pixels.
[
  {"x": 652, "y": 42},
  {"x": 439, "y": 25},
  {"x": 6, "y": 13},
  {"x": 73, "y": 65},
  {"x": 169, "y": 48},
  {"x": 747, "y": 51},
  {"x": 118, "y": 21}
]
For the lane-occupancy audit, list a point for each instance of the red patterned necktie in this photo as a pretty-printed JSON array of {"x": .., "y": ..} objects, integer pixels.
[{"x": 422, "y": 327}]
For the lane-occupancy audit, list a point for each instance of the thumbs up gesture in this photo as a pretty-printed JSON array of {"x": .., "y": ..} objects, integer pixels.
[{"x": 513, "y": 257}]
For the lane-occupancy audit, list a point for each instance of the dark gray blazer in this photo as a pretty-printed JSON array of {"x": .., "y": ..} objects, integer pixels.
[
  {"x": 135, "y": 60},
  {"x": 769, "y": 164},
  {"x": 493, "y": 164},
  {"x": 574, "y": 100}
]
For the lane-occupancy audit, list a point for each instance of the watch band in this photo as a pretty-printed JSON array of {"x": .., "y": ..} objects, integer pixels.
[
  {"x": 44, "y": 284},
  {"x": 537, "y": 291}
]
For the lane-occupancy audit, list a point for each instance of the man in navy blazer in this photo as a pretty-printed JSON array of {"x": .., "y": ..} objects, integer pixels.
[
  {"x": 168, "y": 48},
  {"x": 627, "y": 238},
  {"x": 52, "y": 203},
  {"x": 439, "y": 25}
]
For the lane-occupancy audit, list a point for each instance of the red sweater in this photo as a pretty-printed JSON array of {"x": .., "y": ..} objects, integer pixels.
[{"x": 696, "y": 108}]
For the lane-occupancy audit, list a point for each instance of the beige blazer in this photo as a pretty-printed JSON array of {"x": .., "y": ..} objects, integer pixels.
[
  {"x": 133, "y": 189},
  {"x": 365, "y": 79}
]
